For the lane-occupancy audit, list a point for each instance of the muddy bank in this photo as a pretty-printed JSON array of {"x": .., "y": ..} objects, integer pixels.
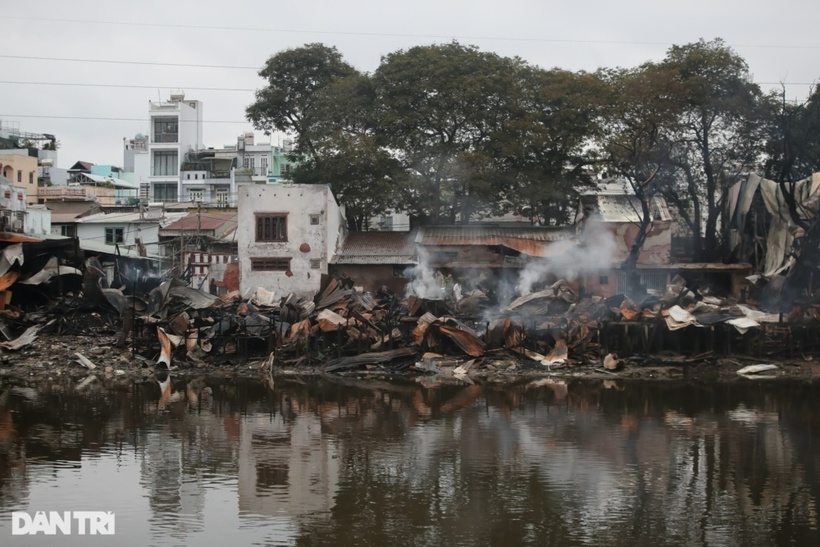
[{"x": 90, "y": 359}]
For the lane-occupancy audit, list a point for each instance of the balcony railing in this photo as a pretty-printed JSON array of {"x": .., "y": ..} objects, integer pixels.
[
  {"x": 62, "y": 192},
  {"x": 166, "y": 137}
]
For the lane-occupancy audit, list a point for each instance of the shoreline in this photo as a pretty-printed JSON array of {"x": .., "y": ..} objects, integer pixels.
[{"x": 56, "y": 358}]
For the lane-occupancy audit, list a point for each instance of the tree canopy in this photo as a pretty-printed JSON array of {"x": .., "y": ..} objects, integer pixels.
[{"x": 448, "y": 133}]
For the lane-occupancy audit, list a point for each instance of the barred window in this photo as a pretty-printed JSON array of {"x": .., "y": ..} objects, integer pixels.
[
  {"x": 270, "y": 264},
  {"x": 272, "y": 227}
]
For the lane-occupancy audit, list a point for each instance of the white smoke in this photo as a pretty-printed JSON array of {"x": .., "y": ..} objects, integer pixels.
[
  {"x": 594, "y": 250},
  {"x": 423, "y": 282}
]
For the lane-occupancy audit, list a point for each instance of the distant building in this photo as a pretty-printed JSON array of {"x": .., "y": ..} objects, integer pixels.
[
  {"x": 135, "y": 160},
  {"x": 176, "y": 128},
  {"x": 129, "y": 234},
  {"x": 15, "y": 214},
  {"x": 20, "y": 169}
]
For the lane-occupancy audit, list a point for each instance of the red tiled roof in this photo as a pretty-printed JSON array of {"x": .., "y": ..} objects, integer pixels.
[{"x": 203, "y": 221}]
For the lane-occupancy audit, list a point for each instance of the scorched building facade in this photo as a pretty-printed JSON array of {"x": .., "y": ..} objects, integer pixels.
[{"x": 286, "y": 235}]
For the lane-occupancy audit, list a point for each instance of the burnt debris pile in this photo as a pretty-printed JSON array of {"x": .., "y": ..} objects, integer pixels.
[{"x": 341, "y": 329}]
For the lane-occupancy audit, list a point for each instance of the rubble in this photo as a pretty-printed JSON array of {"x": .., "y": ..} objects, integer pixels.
[{"x": 341, "y": 330}]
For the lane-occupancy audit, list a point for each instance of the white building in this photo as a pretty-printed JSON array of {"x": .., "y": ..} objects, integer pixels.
[
  {"x": 176, "y": 130},
  {"x": 19, "y": 217},
  {"x": 208, "y": 176},
  {"x": 286, "y": 234},
  {"x": 104, "y": 232},
  {"x": 135, "y": 160},
  {"x": 254, "y": 159}
]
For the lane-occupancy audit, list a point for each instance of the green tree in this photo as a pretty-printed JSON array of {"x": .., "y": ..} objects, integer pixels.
[
  {"x": 637, "y": 145},
  {"x": 717, "y": 134},
  {"x": 440, "y": 107},
  {"x": 546, "y": 143},
  {"x": 286, "y": 104},
  {"x": 363, "y": 175}
]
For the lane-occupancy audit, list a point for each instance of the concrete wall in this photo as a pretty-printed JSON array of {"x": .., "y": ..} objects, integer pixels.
[
  {"x": 190, "y": 127},
  {"x": 305, "y": 241},
  {"x": 655, "y": 250},
  {"x": 38, "y": 220}
]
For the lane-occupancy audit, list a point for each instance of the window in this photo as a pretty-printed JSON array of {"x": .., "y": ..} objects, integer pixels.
[
  {"x": 166, "y": 130},
  {"x": 222, "y": 197},
  {"x": 272, "y": 227},
  {"x": 31, "y": 178},
  {"x": 196, "y": 195},
  {"x": 315, "y": 263},
  {"x": 19, "y": 176},
  {"x": 165, "y": 192},
  {"x": 314, "y": 220},
  {"x": 248, "y": 162},
  {"x": 165, "y": 163},
  {"x": 603, "y": 280},
  {"x": 269, "y": 264},
  {"x": 264, "y": 165},
  {"x": 68, "y": 230},
  {"x": 114, "y": 235}
]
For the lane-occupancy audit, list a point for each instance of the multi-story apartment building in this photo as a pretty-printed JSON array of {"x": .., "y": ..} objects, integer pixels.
[
  {"x": 176, "y": 130},
  {"x": 264, "y": 162}
]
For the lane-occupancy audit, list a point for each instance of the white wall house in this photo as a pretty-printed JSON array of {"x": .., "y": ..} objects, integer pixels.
[
  {"x": 286, "y": 234},
  {"x": 102, "y": 232},
  {"x": 176, "y": 130},
  {"x": 19, "y": 217}
]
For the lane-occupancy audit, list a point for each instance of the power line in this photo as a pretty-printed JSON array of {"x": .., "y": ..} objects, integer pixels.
[
  {"x": 103, "y": 118},
  {"x": 134, "y": 86},
  {"x": 376, "y": 34},
  {"x": 115, "y": 62}
]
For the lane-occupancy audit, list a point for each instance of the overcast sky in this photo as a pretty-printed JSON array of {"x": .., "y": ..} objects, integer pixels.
[{"x": 142, "y": 37}]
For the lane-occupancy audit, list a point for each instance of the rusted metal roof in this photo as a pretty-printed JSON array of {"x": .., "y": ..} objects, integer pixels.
[
  {"x": 377, "y": 248},
  {"x": 11, "y": 237},
  {"x": 696, "y": 266},
  {"x": 530, "y": 240}
]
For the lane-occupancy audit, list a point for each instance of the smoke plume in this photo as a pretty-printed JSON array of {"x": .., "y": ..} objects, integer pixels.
[{"x": 594, "y": 250}]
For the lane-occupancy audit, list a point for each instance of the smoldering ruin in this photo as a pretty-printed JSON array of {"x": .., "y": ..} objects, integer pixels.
[{"x": 443, "y": 323}]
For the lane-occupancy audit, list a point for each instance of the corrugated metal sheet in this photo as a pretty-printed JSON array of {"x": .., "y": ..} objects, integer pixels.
[
  {"x": 486, "y": 235},
  {"x": 377, "y": 248},
  {"x": 531, "y": 240}
]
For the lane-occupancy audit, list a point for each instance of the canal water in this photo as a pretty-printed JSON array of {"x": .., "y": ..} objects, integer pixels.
[{"x": 363, "y": 462}]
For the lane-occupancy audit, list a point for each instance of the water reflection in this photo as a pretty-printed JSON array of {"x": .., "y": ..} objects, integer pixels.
[{"x": 344, "y": 461}]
